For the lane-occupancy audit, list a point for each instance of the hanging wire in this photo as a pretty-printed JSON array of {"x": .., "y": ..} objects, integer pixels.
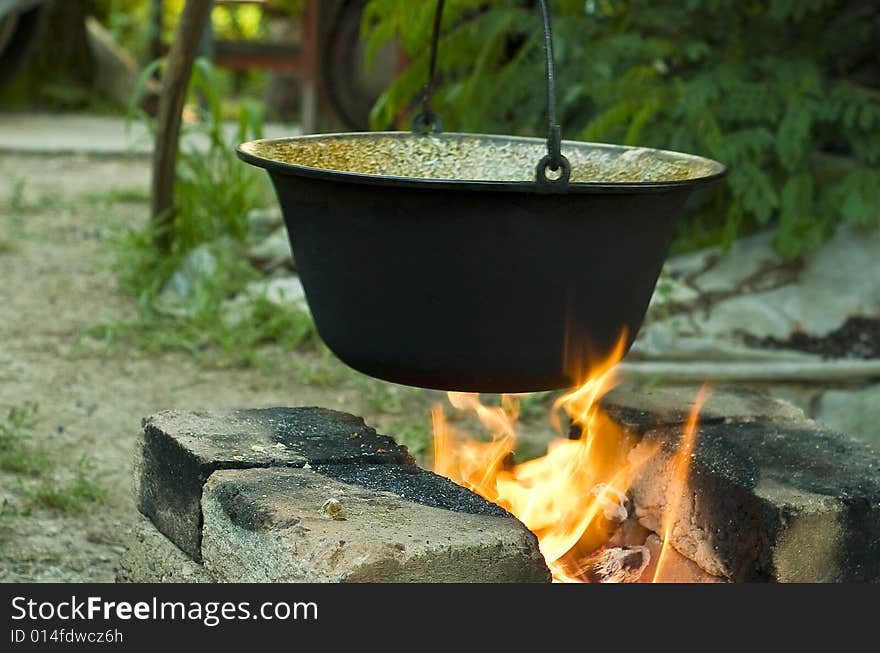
[
  {"x": 554, "y": 159},
  {"x": 428, "y": 122}
]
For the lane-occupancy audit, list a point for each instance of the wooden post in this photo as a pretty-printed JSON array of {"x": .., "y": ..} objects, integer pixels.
[
  {"x": 311, "y": 66},
  {"x": 175, "y": 81},
  {"x": 155, "y": 29}
]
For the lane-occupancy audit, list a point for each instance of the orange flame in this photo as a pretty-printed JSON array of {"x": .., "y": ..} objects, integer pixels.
[
  {"x": 572, "y": 497},
  {"x": 681, "y": 465}
]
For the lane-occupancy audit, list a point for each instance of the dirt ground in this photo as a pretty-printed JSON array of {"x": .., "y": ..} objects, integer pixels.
[{"x": 56, "y": 218}]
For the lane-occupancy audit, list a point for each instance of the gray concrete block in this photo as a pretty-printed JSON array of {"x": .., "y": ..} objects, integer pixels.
[
  {"x": 388, "y": 524},
  {"x": 150, "y": 557},
  {"x": 179, "y": 450},
  {"x": 769, "y": 501},
  {"x": 640, "y": 408}
]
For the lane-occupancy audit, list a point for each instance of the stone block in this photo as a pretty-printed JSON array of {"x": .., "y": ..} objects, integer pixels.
[
  {"x": 179, "y": 450},
  {"x": 359, "y": 523},
  {"x": 768, "y": 501},
  {"x": 150, "y": 557},
  {"x": 641, "y": 408}
]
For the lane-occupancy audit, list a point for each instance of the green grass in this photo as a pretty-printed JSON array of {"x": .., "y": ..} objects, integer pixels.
[
  {"x": 383, "y": 397},
  {"x": 210, "y": 336},
  {"x": 16, "y": 197},
  {"x": 536, "y": 406},
  {"x": 73, "y": 495},
  {"x": 17, "y": 451},
  {"x": 214, "y": 192},
  {"x": 18, "y": 201},
  {"x": 38, "y": 470},
  {"x": 134, "y": 194},
  {"x": 323, "y": 370},
  {"x": 8, "y": 513}
]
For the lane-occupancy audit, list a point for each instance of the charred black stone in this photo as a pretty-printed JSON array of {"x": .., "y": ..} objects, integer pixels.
[
  {"x": 413, "y": 484},
  {"x": 750, "y": 482},
  {"x": 328, "y": 436}
]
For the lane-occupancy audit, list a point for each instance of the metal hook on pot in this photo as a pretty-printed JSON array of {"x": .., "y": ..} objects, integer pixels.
[
  {"x": 554, "y": 159},
  {"x": 428, "y": 122}
]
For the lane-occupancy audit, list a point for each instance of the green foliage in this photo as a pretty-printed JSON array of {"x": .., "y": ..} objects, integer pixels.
[
  {"x": 782, "y": 91},
  {"x": 17, "y": 194},
  {"x": 214, "y": 192},
  {"x": 418, "y": 437},
  {"x": 536, "y": 406},
  {"x": 129, "y": 20}
]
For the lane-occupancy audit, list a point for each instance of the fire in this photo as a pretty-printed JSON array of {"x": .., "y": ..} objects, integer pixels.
[
  {"x": 574, "y": 496},
  {"x": 681, "y": 466}
]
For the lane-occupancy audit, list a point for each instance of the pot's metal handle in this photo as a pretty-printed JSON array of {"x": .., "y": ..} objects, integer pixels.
[
  {"x": 554, "y": 159},
  {"x": 428, "y": 122}
]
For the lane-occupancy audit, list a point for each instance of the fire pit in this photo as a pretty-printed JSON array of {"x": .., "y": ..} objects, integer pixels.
[
  {"x": 755, "y": 492},
  {"x": 488, "y": 263}
]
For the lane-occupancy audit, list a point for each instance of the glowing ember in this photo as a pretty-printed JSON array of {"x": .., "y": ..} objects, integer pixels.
[{"x": 574, "y": 497}]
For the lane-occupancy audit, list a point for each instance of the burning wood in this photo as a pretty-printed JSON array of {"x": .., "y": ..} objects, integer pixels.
[
  {"x": 619, "y": 564},
  {"x": 574, "y": 498}
]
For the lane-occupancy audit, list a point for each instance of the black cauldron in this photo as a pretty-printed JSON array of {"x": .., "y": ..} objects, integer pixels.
[{"x": 438, "y": 260}]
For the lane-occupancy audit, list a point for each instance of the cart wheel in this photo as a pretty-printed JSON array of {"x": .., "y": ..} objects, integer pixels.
[
  {"x": 351, "y": 94},
  {"x": 18, "y": 36}
]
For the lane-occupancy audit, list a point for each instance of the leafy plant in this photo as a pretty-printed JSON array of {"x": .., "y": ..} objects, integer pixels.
[
  {"x": 130, "y": 20},
  {"x": 784, "y": 92},
  {"x": 213, "y": 190},
  {"x": 214, "y": 193}
]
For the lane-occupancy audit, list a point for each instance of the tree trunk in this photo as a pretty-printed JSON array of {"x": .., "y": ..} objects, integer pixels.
[{"x": 174, "y": 86}]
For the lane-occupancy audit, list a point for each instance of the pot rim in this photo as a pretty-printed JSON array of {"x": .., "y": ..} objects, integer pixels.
[{"x": 246, "y": 152}]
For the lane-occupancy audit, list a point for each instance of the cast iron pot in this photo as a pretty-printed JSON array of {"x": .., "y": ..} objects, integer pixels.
[{"x": 474, "y": 283}]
